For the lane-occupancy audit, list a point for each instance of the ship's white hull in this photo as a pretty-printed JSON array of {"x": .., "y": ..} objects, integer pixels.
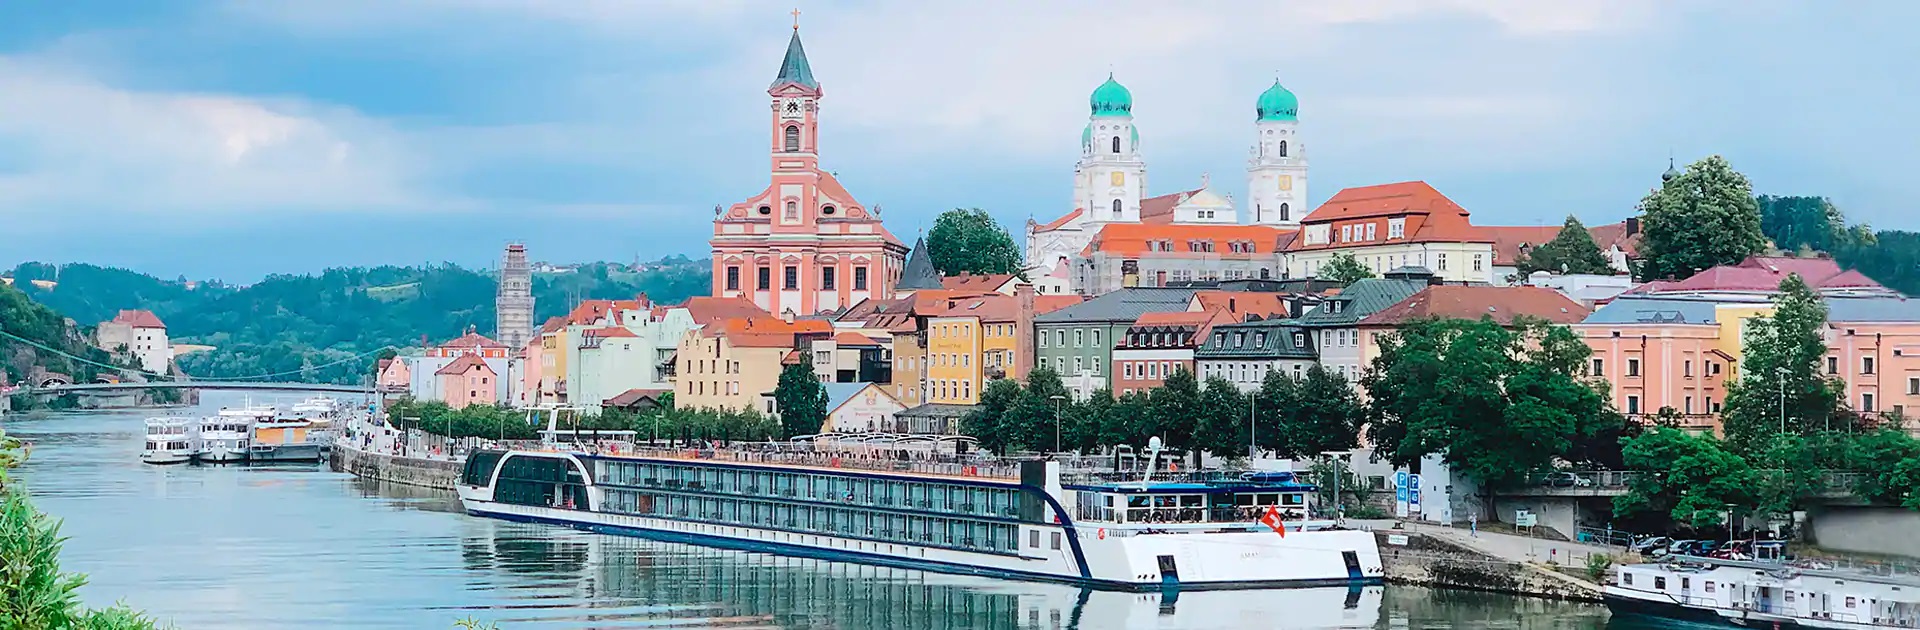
[
  {"x": 1095, "y": 557},
  {"x": 221, "y": 454},
  {"x": 165, "y": 457}
]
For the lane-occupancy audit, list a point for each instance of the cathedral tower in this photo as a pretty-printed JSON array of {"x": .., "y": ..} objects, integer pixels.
[
  {"x": 1277, "y": 169},
  {"x": 1110, "y": 178}
]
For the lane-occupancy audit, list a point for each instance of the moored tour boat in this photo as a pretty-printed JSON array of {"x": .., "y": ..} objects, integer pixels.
[
  {"x": 227, "y": 435},
  {"x": 1023, "y": 520},
  {"x": 1764, "y": 595},
  {"x": 171, "y": 440}
]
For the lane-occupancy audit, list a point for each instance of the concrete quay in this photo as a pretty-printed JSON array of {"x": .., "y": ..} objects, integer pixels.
[
  {"x": 440, "y": 474},
  {"x": 1503, "y": 563}
]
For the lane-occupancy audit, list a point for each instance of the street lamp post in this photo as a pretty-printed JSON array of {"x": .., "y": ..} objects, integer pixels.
[
  {"x": 1253, "y": 448},
  {"x": 1781, "y": 372},
  {"x": 1056, "y": 398}
]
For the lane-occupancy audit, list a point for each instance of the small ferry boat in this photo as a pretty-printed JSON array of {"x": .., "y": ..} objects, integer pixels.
[
  {"x": 279, "y": 439},
  {"x": 1009, "y": 519},
  {"x": 226, "y": 436},
  {"x": 1764, "y": 595},
  {"x": 171, "y": 440}
]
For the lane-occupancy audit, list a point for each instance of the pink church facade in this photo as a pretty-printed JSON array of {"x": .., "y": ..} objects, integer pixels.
[{"x": 803, "y": 244}]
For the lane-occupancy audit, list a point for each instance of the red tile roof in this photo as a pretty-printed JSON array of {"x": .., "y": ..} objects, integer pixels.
[
  {"x": 1240, "y": 304},
  {"x": 850, "y": 338},
  {"x": 1503, "y": 304},
  {"x": 463, "y": 365},
  {"x": 139, "y": 319},
  {"x": 1509, "y": 241},
  {"x": 610, "y": 331},
  {"x": 1761, "y": 274},
  {"x": 1134, "y": 238},
  {"x": 971, "y": 282},
  {"x": 1430, "y": 217},
  {"x": 554, "y": 323},
  {"x": 763, "y": 331},
  {"x": 1056, "y": 223},
  {"x": 1159, "y": 209},
  {"x": 1043, "y": 304},
  {"x": 472, "y": 340},
  {"x": 706, "y": 309},
  {"x": 633, "y": 396}
]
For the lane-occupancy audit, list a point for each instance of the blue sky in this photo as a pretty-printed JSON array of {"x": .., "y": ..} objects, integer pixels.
[{"x": 236, "y": 139}]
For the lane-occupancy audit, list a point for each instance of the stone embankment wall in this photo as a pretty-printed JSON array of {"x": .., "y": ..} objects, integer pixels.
[
  {"x": 1876, "y": 530},
  {"x": 1427, "y": 561},
  {"x": 412, "y": 471}
]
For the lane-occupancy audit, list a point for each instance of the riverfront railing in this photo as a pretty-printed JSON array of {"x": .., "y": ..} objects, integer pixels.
[
  {"x": 1832, "y": 482},
  {"x": 926, "y": 465}
]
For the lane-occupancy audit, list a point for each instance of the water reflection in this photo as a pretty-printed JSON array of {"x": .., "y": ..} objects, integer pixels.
[{"x": 301, "y": 547}]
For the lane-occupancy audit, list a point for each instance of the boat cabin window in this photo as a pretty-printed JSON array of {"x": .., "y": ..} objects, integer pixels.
[
  {"x": 1626, "y": 578},
  {"x": 1709, "y": 586},
  {"x": 1659, "y": 583}
]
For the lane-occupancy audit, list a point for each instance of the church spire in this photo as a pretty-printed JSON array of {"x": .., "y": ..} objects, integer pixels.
[
  {"x": 794, "y": 68},
  {"x": 919, "y": 273}
]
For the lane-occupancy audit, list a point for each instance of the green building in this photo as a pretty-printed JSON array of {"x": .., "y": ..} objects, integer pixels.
[{"x": 1077, "y": 341}]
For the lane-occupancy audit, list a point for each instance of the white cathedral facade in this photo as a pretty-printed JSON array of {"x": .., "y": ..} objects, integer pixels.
[{"x": 1110, "y": 186}]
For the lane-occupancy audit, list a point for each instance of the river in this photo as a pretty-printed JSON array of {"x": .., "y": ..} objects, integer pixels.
[{"x": 297, "y": 546}]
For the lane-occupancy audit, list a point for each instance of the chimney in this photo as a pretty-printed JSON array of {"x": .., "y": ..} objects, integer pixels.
[
  {"x": 1023, "y": 331},
  {"x": 1633, "y": 226}
]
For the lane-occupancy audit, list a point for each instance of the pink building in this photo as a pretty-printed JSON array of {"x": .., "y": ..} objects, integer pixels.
[
  {"x": 396, "y": 375},
  {"x": 1662, "y": 354},
  {"x": 803, "y": 244},
  {"x": 467, "y": 381},
  {"x": 1873, "y": 346}
]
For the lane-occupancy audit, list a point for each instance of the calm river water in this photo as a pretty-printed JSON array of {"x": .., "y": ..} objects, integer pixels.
[{"x": 301, "y": 547}]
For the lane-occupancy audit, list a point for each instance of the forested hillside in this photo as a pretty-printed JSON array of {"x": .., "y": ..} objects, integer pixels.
[
  {"x": 21, "y": 317},
  {"x": 299, "y": 324},
  {"x": 1814, "y": 224}
]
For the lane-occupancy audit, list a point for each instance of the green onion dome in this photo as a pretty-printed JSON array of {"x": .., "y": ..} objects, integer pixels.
[
  {"x": 1277, "y": 103},
  {"x": 1111, "y": 99}
]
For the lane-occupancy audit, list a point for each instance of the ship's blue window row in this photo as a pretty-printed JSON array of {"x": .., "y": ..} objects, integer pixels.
[
  {"x": 846, "y": 522},
  {"x": 837, "y": 489}
]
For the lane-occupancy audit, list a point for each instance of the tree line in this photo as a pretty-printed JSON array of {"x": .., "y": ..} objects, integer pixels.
[{"x": 666, "y": 423}]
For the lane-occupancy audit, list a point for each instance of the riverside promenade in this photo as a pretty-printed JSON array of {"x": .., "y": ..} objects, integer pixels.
[
  {"x": 381, "y": 453},
  {"x": 1450, "y": 557}
]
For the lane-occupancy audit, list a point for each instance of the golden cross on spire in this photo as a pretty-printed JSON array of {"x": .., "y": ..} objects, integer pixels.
[{"x": 796, "y": 18}]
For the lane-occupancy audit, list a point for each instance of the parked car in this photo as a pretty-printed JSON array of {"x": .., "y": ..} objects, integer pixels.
[
  {"x": 1565, "y": 480},
  {"x": 1681, "y": 547},
  {"x": 1646, "y": 545}
]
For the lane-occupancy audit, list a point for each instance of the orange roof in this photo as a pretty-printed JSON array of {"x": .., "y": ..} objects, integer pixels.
[
  {"x": 855, "y": 339},
  {"x": 982, "y": 282},
  {"x": 1503, "y": 304},
  {"x": 1043, "y": 304},
  {"x": 466, "y": 363},
  {"x": 1134, "y": 238},
  {"x": 1159, "y": 209},
  {"x": 706, "y": 309},
  {"x": 1056, "y": 223},
  {"x": 589, "y": 311},
  {"x": 1431, "y": 216},
  {"x": 472, "y": 340},
  {"x": 988, "y": 307},
  {"x": 1509, "y": 241},
  {"x": 1242, "y": 303},
  {"x": 139, "y": 319},
  {"x": 553, "y": 323},
  {"x": 763, "y": 332},
  {"x": 610, "y": 331}
]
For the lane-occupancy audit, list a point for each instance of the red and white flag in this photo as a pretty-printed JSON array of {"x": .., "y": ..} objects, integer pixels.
[{"x": 1272, "y": 519}]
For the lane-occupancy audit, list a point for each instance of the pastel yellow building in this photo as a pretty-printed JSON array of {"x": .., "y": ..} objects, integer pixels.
[{"x": 735, "y": 363}]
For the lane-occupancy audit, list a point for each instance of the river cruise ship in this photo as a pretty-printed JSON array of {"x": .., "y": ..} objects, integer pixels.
[
  {"x": 1023, "y": 520},
  {"x": 1764, "y": 595},
  {"x": 171, "y": 440}
]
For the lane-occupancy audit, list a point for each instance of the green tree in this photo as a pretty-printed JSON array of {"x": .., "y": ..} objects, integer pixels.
[
  {"x": 1221, "y": 428},
  {"x": 1877, "y": 455},
  {"x": 970, "y": 241},
  {"x": 1129, "y": 421},
  {"x": 986, "y": 421},
  {"x": 1782, "y": 360},
  {"x": 1273, "y": 407},
  {"x": 1570, "y": 251},
  {"x": 1797, "y": 223},
  {"x": 1495, "y": 403},
  {"x": 1707, "y": 216},
  {"x": 1324, "y": 414},
  {"x": 1087, "y": 423},
  {"x": 1688, "y": 478},
  {"x": 801, "y": 400},
  {"x": 1173, "y": 412},
  {"x": 1344, "y": 269},
  {"x": 1039, "y": 418}
]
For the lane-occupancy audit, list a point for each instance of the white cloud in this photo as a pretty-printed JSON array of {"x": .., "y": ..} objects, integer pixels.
[{"x": 97, "y": 147}]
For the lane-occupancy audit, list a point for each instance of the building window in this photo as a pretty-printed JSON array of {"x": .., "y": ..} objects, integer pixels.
[
  {"x": 1833, "y": 365},
  {"x": 766, "y": 278},
  {"x": 1346, "y": 233},
  {"x": 1689, "y": 406},
  {"x": 1127, "y": 369},
  {"x": 859, "y": 278},
  {"x": 792, "y": 279},
  {"x": 1116, "y": 202},
  {"x": 1283, "y": 148},
  {"x": 826, "y": 278},
  {"x": 1913, "y": 386},
  {"x": 1866, "y": 365},
  {"x": 1370, "y": 232},
  {"x": 1060, "y": 338},
  {"x": 1396, "y": 228},
  {"x": 1866, "y": 402},
  {"x": 1116, "y": 144},
  {"x": 1686, "y": 368},
  {"x": 1079, "y": 336},
  {"x": 1283, "y": 212},
  {"x": 1597, "y": 369},
  {"x": 1079, "y": 365},
  {"x": 1440, "y": 262},
  {"x": 793, "y": 211},
  {"x": 733, "y": 278},
  {"x": 1633, "y": 367},
  {"x": 1633, "y": 404},
  {"x": 793, "y": 139},
  {"x": 1043, "y": 339},
  {"x": 1478, "y": 262}
]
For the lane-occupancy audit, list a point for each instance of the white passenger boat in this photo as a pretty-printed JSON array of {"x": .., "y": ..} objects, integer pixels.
[
  {"x": 1764, "y": 595},
  {"x": 1023, "y": 520},
  {"x": 171, "y": 440},
  {"x": 226, "y": 436}
]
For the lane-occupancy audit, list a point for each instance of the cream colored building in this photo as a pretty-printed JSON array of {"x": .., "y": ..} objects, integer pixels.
[
  {"x": 1390, "y": 226},
  {"x": 735, "y": 363}
]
